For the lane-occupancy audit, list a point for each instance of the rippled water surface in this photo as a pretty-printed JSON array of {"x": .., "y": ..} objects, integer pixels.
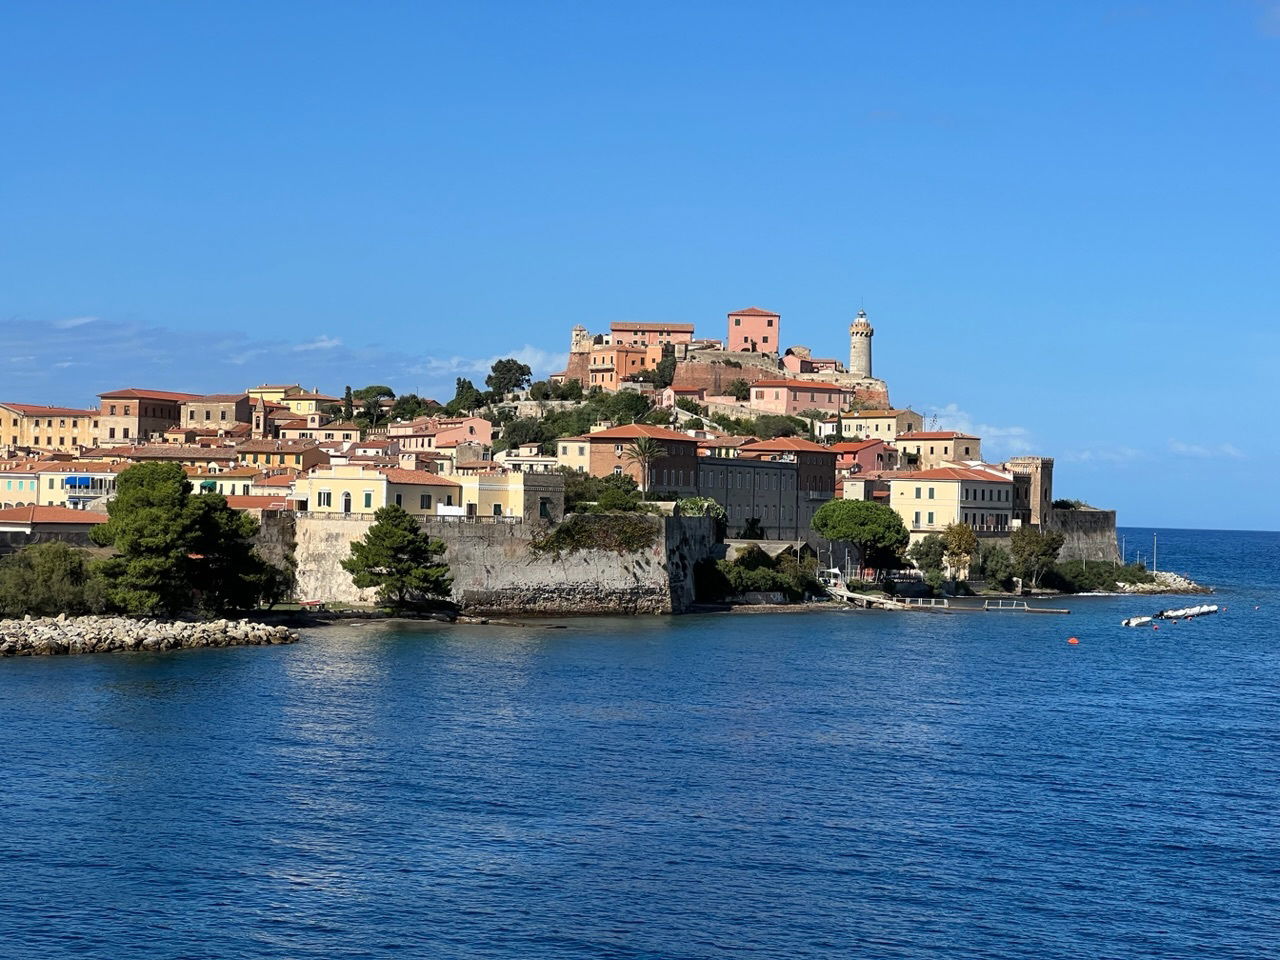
[{"x": 816, "y": 785}]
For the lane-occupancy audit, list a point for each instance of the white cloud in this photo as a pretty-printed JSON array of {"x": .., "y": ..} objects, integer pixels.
[
  {"x": 1104, "y": 455},
  {"x": 541, "y": 362},
  {"x": 1206, "y": 450},
  {"x": 27, "y": 359},
  {"x": 322, "y": 342},
  {"x": 996, "y": 440},
  {"x": 72, "y": 322}
]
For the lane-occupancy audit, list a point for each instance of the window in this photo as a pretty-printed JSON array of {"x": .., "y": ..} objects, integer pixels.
[
  {"x": 324, "y": 498},
  {"x": 346, "y": 502},
  {"x": 191, "y": 414},
  {"x": 222, "y": 414},
  {"x": 448, "y": 499},
  {"x": 931, "y": 518},
  {"x": 917, "y": 493},
  {"x": 424, "y": 501},
  {"x": 916, "y": 521},
  {"x": 582, "y": 451},
  {"x": 497, "y": 509},
  {"x": 111, "y": 434},
  {"x": 737, "y": 321},
  {"x": 931, "y": 493},
  {"x": 617, "y": 471},
  {"x": 125, "y": 433},
  {"x": 208, "y": 415},
  {"x": 368, "y": 499}
]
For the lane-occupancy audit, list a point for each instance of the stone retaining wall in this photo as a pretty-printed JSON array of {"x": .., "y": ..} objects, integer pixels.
[{"x": 495, "y": 571}]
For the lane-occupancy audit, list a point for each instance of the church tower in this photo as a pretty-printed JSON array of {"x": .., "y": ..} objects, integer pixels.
[{"x": 860, "y": 334}]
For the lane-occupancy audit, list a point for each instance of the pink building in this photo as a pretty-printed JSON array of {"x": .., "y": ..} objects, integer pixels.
[
  {"x": 791, "y": 397},
  {"x": 863, "y": 456},
  {"x": 430, "y": 433},
  {"x": 754, "y": 331},
  {"x": 798, "y": 360}
]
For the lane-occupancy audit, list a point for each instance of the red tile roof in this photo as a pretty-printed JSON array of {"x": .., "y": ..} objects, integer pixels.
[
  {"x": 636, "y": 430},
  {"x": 219, "y": 398},
  {"x": 419, "y": 477},
  {"x": 677, "y": 327},
  {"x": 875, "y": 413},
  {"x": 137, "y": 393},
  {"x": 35, "y": 410},
  {"x": 951, "y": 473},
  {"x": 937, "y": 435},
  {"x": 799, "y": 384},
  {"x": 788, "y": 444},
  {"x": 34, "y": 514},
  {"x": 256, "y": 502},
  {"x": 753, "y": 312},
  {"x": 279, "y": 480},
  {"x": 853, "y": 447}
]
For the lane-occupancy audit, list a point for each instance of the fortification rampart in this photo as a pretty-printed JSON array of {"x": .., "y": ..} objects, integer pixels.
[{"x": 495, "y": 570}]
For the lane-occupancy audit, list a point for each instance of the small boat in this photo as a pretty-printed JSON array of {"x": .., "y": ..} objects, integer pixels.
[
  {"x": 1182, "y": 613},
  {"x": 1186, "y": 613}
]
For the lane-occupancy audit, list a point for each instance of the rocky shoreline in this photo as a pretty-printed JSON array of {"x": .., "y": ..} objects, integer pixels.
[
  {"x": 1165, "y": 582},
  {"x": 52, "y": 636}
]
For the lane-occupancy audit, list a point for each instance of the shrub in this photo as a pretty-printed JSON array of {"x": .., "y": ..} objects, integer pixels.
[
  {"x": 615, "y": 532},
  {"x": 44, "y": 580}
]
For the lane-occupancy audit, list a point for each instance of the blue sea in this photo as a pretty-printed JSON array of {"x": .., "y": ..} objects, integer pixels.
[{"x": 846, "y": 784}]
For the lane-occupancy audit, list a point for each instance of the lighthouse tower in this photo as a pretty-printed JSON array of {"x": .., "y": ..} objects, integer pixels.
[{"x": 860, "y": 334}]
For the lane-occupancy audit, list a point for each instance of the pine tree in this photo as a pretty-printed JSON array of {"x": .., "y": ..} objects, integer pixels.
[{"x": 400, "y": 559}]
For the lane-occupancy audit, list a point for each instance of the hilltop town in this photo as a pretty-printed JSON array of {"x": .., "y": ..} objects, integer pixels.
[{"x": 769, "y": 432}]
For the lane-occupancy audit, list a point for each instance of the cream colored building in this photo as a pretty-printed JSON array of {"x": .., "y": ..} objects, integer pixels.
[
  {"x": 928, "y": 451},
  {"x": 884, "y": 425},
  {"x": 305, "y": 402},
  {"x": 929, "y": 501},
  {"x": 34, "y": 427},
  {"x": 574, "y": 453}
]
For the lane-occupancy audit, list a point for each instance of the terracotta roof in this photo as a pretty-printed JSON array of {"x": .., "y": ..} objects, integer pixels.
[
  {"x": 80, "y": 467},
  {"x": 950, "y": 473},
  {"x": 419, "y": 477},
  {"x": 278, "y": 386},
  {"x": 677, "y": 327},
  {"x": 753, "y": 312},
  {"x": 165, "y": 451},
  {"x": 275, "y": 446},
  {"x": 636, "y": 430},
  {"x": 34, "y": 514},
  {"x": 849, "y": 447},
  {"x": 788, "y": 444},
  {"x": 35, "y": 410},
  {"x": 137, "y": 393},
  {"x": 218, "y": 398},
  {"x": 799, "y": 384},
  {"x": 279, "y": 480},
  {"x": 853, "y": 414},
  {"x": 256, "y": 502},
  {"x": 314, "y": 396},
  {"x": 938, "y": 435}
]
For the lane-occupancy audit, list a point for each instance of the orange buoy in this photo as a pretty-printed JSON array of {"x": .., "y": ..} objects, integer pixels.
[{"x": 1072, "y": 640}]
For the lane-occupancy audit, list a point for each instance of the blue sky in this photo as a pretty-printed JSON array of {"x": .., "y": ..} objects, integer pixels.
[{"x": 1063, "y": 219}]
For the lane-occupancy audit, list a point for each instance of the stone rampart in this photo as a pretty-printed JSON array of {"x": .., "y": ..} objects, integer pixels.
[
  {"x": 496, "y": 571},
  {"x": 1089, "y": 534}
]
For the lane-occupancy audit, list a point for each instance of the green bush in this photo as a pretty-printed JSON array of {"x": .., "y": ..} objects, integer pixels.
[
  {"x": 44, "y": 580},
  {"x": 615, "y": 532}
]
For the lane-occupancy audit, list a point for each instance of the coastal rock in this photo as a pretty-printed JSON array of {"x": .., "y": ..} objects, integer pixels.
[
  {"x": 50, "y": 636},
  {"x": 1165, "y": 582}
]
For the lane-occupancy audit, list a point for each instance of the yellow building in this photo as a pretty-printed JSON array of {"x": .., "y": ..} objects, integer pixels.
[
  {"x": 303, "y": 403},
  {"x": 295, "y": 454},
  {"x": 929, "y": 501},
  {"x": 514, "y": 496},
  {"x": 574, "y": 453},
  {"x": 273, "y": 393},
  {"x": 354, "y": 488},
  {"x": 19, "y": 487},
  {"x": 34, "y": 427}
]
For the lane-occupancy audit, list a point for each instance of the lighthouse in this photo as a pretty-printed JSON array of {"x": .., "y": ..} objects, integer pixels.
[{"x": 860, "y": 334}]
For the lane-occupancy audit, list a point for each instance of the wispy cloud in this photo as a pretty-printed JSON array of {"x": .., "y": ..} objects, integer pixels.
[
  {"x": 72, "y": 322},
  {"x": 997, "y": 440},
  {"x": 541, "y": 362},
  {"x": 323, "y": 342},
  {"x": 1213, "y": 450},
  {"x": 1110, "y": 455}
]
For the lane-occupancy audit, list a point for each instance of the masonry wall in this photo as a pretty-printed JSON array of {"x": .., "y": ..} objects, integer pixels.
[
  {"x": 495, "y": 571},
  {"x": 1090, "y": 534}
]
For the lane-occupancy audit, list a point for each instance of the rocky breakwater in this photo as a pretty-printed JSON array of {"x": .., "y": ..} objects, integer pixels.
[
  {"x": 1165, "y": 582},
  {"x": 49, "y": 636}
]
